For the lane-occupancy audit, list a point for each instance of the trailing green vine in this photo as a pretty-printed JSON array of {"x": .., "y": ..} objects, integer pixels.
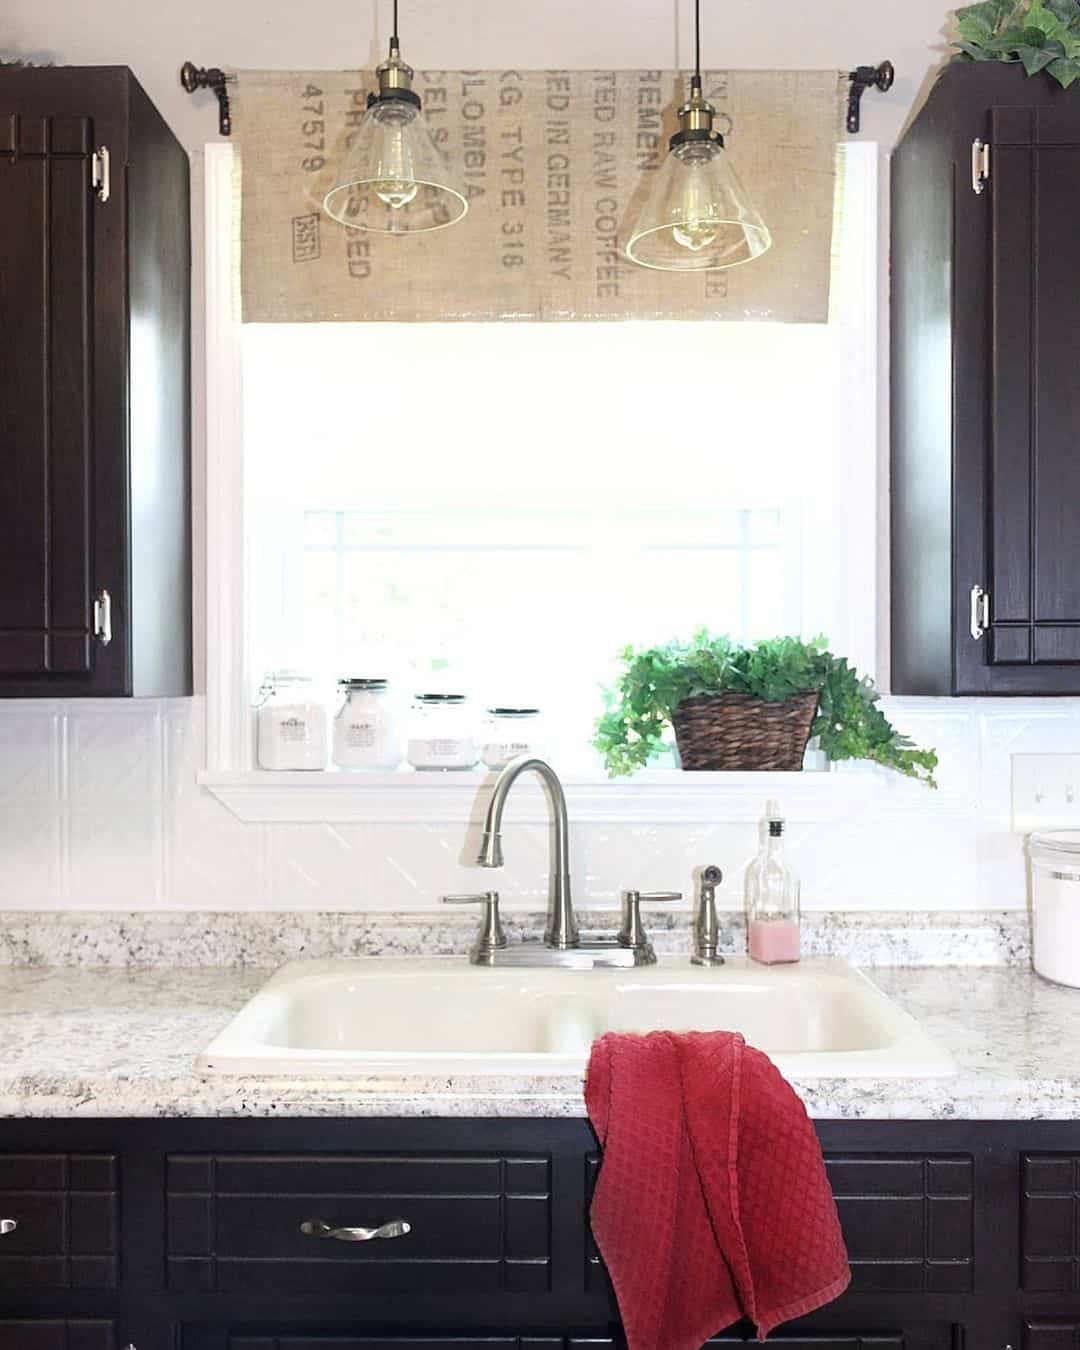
[
  {"x": 655, "y": 680},
  {"x": 1040, "y": 34}
]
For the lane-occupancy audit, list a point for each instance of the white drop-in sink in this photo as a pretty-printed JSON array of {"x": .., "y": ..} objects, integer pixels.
[{"x": 442, "y": 1016}]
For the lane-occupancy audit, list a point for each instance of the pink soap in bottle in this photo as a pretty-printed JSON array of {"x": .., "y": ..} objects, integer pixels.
[{"x": 772, "y": 899}]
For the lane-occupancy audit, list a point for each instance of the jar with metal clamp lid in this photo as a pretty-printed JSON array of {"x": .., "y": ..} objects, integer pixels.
[
  {"x": 365, "y": 727},
  {"x": 291, "y": 723}
]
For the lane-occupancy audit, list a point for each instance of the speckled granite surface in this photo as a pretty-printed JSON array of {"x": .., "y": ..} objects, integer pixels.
[
  {"x": 270, "y": 938},
  {"x": 122, "y": 1042}
]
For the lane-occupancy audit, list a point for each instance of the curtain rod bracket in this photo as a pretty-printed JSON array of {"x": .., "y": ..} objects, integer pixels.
[
  {"x": 863, "y": 78},
  {"x": 194, "y": 77}
]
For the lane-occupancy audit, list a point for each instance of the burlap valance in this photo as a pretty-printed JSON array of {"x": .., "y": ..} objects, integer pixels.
[{"x": 554, "y": 161}]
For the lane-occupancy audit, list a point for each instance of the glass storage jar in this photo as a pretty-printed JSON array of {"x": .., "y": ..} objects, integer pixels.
[
  {"x": 507, "y": 733},
  {"x": 441, "y": 734},
  {"x": 365, "y": 728},
  {"x": 1055, "y": 905},
  {"x": 291, "y": 724}
]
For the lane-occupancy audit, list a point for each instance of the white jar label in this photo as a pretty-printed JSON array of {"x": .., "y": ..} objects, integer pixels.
[
  {"x": 293, "y": 729},
  {"x": 360, "y": 735},
  {"x": 444, "y": 748}
]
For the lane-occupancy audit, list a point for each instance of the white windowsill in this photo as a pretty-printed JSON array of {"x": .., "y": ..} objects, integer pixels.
[{"x": 660, "y": 796}]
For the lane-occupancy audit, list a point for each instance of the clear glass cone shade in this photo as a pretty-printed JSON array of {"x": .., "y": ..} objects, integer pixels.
[
  {"x": 698, "y": 215},
  {"x": 393, "y": 178}
]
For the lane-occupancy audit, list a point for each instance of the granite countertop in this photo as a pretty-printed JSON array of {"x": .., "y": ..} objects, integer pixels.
[{"x": 123, "y": 1041}]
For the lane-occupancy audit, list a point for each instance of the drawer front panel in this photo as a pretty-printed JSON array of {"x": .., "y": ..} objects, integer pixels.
[
  {"x": 65, "y": 1210},
  {"x": 72, "y": 1334},
  {"x": 475, "y": 1223},
  {"x": 907, "y": 1221},
  {"x": 1050, "y": 1213}
]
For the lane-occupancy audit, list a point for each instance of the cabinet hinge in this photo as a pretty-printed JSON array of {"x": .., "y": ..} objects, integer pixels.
[
  {"x": 980, "y": 165},
  {"x": 980, "y": 612},
  {"x": 100, "y": 175},
  {"x": 103, "y": 618}
]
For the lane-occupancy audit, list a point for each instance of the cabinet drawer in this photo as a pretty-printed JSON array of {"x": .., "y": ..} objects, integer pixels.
[
  {"x": 476, "y": 1223},
  {"x": 73, "y": 1334},
  {"x": 64, "y": 1208},
  {"x": 907, "y": 1221}
]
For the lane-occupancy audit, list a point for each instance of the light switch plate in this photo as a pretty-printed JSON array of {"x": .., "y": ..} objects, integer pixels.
[{"x": 1045, "y": 792}]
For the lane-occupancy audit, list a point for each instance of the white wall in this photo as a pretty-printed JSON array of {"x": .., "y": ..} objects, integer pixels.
[
  {"x": 99, "y": 808},
  {"x": 98, "y": 802}
]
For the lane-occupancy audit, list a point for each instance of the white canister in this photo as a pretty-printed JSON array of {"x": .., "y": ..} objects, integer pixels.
[
  {"x": 441, "y": 735},
  {"x": 291, "y": 723},
  {"x": 365, "y": 728},
  {"x": 1055, "y": 905}
]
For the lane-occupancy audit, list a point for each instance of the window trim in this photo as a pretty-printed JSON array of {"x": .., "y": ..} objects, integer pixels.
[{"x": 654, "y": 796}]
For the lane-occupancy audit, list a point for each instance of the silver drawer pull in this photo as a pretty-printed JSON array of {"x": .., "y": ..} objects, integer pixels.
[
  {"x": 316, "y": 1228},
  {"x": 8, "y": 1226}
]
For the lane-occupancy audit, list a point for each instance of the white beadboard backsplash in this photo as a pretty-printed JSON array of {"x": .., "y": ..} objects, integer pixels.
[{"x": 100, "y": 808}]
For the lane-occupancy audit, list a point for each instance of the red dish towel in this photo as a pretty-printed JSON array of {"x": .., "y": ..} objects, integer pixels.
[{"x": 712, "y": 1202}]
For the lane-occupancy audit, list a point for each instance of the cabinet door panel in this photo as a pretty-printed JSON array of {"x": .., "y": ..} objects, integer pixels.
[
  {"x": 1050, "y": 1223},
  {"x": 1052, "y": 1334},
  {"x": 46, "y": 356},
  {"x": 64, "y": 482},
  {"x": 64, "y": 1207},
  {"x": 1034, "y": 459}
]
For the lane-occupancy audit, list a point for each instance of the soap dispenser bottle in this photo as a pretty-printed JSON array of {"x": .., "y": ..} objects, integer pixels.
[{"x": 772, "y": 898}]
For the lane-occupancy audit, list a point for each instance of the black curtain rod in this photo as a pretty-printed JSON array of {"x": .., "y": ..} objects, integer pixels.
[{"x": 862, "y": 78}]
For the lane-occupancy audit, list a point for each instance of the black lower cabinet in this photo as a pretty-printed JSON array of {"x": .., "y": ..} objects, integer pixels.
[{"x": 473, "y": 1235}]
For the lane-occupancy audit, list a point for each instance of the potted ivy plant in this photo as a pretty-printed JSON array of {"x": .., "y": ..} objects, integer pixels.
[
  {"x": 1040, "y": 35},
  {"x": 753, "y": 706}
]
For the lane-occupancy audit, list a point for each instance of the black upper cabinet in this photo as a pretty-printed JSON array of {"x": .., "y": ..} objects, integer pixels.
[
  {"x": 986, "y": 388},
  {"x": 95, "y": 546}
]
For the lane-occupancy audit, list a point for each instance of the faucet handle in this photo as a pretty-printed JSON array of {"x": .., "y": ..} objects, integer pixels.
[
  {"x": 632, "y": 933},
  {"x": 491, "y": 936}
]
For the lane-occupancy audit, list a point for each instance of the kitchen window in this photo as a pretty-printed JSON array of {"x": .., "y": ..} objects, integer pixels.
[{"x": 504, "y": 506}]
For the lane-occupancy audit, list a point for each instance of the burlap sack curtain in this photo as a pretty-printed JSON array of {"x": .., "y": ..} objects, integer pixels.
[{"x": 554, "y": 162}]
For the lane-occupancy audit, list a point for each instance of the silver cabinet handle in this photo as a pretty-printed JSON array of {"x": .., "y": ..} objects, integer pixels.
[
  {"x": 103, "y": 617},
  {"x": 316, "y": 1228},
  {"x": 8, "y": 1226},
  {"x": 980, "y": 612}
]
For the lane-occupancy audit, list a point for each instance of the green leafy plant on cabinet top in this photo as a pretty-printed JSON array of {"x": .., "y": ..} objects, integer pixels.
[
  {"x": 655, "y": 680},
  {"x": 1040, "y": 34}
]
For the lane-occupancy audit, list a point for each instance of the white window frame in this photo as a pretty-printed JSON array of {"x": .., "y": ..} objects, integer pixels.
[{"x": 649, "y": 797}]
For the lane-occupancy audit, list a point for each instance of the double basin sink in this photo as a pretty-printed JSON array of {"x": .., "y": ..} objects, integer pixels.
[{"x": 441, "y": 1016}]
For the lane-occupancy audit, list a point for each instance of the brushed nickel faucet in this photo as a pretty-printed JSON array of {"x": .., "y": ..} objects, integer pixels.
[
  {"x": 562, "y": 945},
  {"x": 562, "y": 930}
]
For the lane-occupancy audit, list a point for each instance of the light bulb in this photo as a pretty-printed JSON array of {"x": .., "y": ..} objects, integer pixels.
[
  {"x": 698, "y": 214},
  {"x": 696, "y": 234},
  {"x": 396, "y": 192},
  {"x": 395, "y": 184}
]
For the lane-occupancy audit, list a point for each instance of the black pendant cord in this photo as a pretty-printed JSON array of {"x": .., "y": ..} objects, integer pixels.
[
  {"x": 695, "y": 83},
  {"x": 394, "y": 35}
]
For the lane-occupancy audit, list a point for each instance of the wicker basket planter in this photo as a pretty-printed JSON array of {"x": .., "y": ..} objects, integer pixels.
[{"x": 738, "y": 731}]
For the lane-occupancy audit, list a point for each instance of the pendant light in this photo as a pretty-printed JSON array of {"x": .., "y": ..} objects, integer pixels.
[
  {"x": 697, "y": 214},
  {"x": 394, "y": 179}
]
